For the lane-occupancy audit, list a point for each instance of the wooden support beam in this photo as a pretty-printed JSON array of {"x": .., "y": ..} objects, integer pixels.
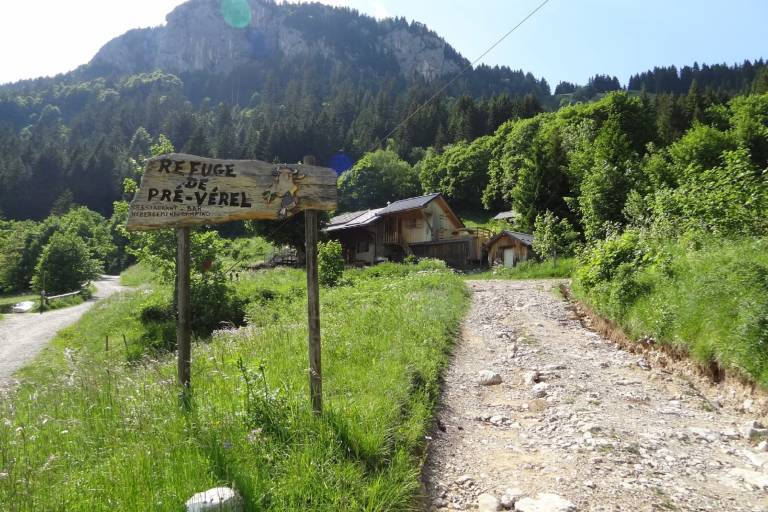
[
  {"x": 184, "y": 316},
  {"x": 313, "y": 311}
]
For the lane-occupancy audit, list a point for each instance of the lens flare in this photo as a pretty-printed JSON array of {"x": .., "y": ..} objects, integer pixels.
[{"x": 237, "y": 13}]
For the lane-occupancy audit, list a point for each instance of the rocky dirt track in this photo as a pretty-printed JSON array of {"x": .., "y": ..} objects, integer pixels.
[
  {"x": 577, "y": 424},
  {"x": 22, "y": 336}
]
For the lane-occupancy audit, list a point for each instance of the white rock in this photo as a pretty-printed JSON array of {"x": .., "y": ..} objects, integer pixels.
[
  {"x": 752, "y": 478},
  {"x": 488, "y": 503},
  {"x": 531, "y": 378},
  {"x": 463, "y": 479},
  {"x": 762, "y": 446},
  {"x": 497, "y": 419},
  {"x": 488, "y": 378},
  {"x": 513, "y": 493},
  {"x": 540, "y": 390},
  {"x": 545, "y": 502},
  {"x": 218, "y": 499},
  {"x": 759, "y": 459},
  {"x": 23, "y": 307},
  {"x": 754, "y": 430},
  {"x": 439, "y": 503},
  {"x": 507, "y": 501}
]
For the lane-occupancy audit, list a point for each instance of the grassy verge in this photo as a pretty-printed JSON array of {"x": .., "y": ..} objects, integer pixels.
[
  {"x": 88, "y": 432},
  {"x": 137, "y": 275},
  {"x": 709, "y": 300},
  {"x": 529, "y": 270}
]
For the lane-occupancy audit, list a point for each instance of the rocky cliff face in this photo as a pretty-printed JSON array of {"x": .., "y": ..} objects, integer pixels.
[{"x": 197, "y": 38}]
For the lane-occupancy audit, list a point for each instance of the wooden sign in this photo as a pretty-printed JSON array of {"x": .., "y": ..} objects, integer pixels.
[{"x": 180, "y": 190}]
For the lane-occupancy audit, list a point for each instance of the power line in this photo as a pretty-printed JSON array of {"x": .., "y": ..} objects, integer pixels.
[{"x": 466, "y": 68}]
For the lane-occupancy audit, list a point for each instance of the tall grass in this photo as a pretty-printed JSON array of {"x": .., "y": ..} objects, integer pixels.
[
  {"x": 563, "y": 268},
  {"x": 137, "y": 275},
  {"x": 710, "y": 300},
  {"x": 88, "y": 432}
]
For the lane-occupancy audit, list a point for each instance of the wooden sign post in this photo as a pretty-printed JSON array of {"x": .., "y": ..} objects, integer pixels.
[{"x": 179, "y": 191}]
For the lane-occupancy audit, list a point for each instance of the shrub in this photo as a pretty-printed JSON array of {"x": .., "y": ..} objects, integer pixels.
[
  {"x": 214, "y": 305},
  {"x": 65, "y": 265},
  {"x": 330, "y": 262}
]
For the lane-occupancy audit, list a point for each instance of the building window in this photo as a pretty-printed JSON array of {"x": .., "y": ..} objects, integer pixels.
[{"x": 363, "y": 246}]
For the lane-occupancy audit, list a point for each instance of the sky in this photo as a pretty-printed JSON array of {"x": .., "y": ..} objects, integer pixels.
[{"x": 567, "y": 40}]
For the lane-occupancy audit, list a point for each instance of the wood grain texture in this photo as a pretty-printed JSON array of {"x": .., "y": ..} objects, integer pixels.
[
  {"x": 313, "y": 312},
  {"x": 184, "y": 305},
  {"x": 185, "y": 190}
]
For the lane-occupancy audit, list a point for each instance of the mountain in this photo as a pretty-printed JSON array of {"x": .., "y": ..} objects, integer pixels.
[{"x": 199, "y": 37}]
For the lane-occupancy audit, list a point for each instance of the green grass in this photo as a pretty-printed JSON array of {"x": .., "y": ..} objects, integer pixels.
[
  {"x": 243, "y": 251},
  {"x": 710, "y": 302},
  {"x": 88, "y": 432},
  {"x": 137, "y": 275},
  {"x": 529, "y": 270},
  {"x": 483, "y": 219}
]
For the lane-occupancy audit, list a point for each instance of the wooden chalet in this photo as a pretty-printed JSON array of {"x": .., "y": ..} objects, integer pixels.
[
  {"x": 509, "y": 248},
  {"x": 424, "y": 226}
]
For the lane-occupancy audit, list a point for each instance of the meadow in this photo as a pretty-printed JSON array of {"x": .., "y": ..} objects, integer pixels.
[{"x": 92, "y": 427}]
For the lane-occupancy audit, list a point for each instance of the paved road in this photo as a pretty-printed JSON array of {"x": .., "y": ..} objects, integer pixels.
[
  {"x": 22, "y": 336},
  {"x": 579, "y": 424}
]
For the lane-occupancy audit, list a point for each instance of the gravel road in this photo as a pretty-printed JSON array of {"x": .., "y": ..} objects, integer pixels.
[
  {"x": 22, "y": 336},
  {"x": 578, "y": 424}
]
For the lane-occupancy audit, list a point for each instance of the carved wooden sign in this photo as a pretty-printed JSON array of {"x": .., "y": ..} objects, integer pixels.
[{"x": 180, "y": 190}]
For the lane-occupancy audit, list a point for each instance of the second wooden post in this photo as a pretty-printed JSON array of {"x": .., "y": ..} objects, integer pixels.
[
  {"x": 313, "y": 311},
  {"x": 184, "y": 314}
]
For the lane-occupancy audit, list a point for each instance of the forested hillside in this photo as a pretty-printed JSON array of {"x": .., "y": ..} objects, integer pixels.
[{"x": 71, "y": 138}]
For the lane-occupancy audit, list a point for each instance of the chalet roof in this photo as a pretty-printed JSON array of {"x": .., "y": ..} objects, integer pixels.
[
  {"x": 367, "y": 217},
  {"x": 524, "y": 238},
  {"x": 355, "y": 220},
  {"x": 505, "y": 215},
  {"x": 412, "y": 203},
  {"x": 343, "y": 218}
]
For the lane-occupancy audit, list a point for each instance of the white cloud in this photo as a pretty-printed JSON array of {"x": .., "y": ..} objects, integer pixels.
[{"x": 380, "y": 11}]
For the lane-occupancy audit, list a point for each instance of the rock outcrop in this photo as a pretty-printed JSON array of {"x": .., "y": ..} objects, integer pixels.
[{"x": 196, "y": 37}]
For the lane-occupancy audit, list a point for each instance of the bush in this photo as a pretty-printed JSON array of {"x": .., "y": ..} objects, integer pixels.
[
  {"x": 330, "y": 262},
  {"x": 708, "y": 299},
  {"x": 65, "y": 265},
  {"x": 214, "y": 305}
]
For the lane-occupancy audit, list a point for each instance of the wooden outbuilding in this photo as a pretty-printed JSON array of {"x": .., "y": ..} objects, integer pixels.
[
  {"x": 509, "y": 248},
  {"x": 423, "y": 226}
]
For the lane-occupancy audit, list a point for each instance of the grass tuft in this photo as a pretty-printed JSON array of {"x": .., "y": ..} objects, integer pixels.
[{"x": 530, "y": 270}]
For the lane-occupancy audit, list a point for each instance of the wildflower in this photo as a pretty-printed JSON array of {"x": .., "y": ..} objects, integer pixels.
[{"x": 254, "y": 435}]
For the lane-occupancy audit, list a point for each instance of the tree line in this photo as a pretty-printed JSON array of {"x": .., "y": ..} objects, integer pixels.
[{"x": 72, "y": 139}]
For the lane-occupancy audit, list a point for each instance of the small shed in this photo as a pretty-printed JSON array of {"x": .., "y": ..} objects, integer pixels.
[
  {"x": 509, "y": 248},
  {"x": 507, "y": 216}
]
